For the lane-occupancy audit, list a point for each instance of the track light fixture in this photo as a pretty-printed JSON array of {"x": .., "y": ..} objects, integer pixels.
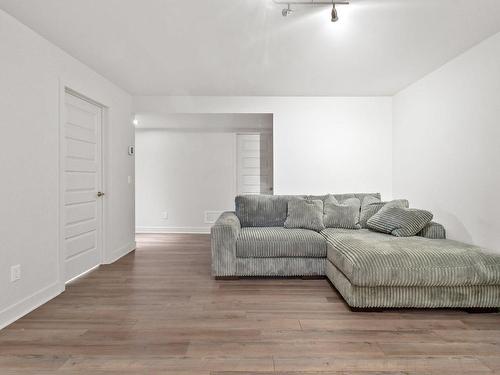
[
  {"x": 335, "y": 16},
  {"x": 288, "y": 10}
]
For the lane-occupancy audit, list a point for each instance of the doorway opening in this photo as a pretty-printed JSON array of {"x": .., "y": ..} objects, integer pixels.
[
  {"x": 254, "y": 164},
  {"x": 190, "y": 167}
]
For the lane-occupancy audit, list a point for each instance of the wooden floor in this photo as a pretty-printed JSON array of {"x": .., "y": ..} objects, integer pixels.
[{"x": 158, "y": 311}]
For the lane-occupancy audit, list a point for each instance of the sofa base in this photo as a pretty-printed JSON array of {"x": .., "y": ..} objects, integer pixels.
[
  {"x": 481, "y": 310},
  {"x": 226, "y": 278},
  {"x": 232, "y": 278},
  {"x": 366, "y": 310},
  {"x": 282, "y": 267},
  {"x": 487, "y": 296}
]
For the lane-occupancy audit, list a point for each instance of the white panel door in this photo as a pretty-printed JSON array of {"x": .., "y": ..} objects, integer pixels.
[
  {"x": 81, "y": 182},
  {"x": 255, "y": 163}
]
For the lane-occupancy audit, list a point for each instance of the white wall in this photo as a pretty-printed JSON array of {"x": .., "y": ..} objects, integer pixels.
[
  {"x": 320, "y": 144},
  {"x": 184, "y": 174},
  {"x": 30, "y": 70},
  {"x": 447, "y": 144}
]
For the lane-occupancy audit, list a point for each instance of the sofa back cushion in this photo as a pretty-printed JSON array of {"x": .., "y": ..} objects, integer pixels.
[
  {"x": 262, "y": 210},
  {"x": 344, "y": 214},
  {"x": 343, "y": 197},
  {"x": 272, "y": 210},
  {"x": 305, "y": 214}
]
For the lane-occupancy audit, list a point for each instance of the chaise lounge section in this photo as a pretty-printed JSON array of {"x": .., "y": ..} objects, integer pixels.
[
  {"x": 369, "y": 269},
  {"x": 373, "y": 270}
]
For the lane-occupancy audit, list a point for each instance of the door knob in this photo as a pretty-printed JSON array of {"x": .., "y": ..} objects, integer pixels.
[{"x": 100, "y": 193}]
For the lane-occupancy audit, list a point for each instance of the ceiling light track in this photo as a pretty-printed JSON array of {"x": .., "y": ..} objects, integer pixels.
[{"x": 289, "y": 10}]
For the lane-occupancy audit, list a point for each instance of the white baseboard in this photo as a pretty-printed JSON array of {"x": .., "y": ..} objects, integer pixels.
[
  {"x": 195, "y": 230},
  {"x": 120, "y": 252},
  {"x": 26, "y": 305}
]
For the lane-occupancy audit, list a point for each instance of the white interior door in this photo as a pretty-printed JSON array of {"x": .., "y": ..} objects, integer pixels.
[
  {"x": 255, "y": 163},
  {"x": 81, "y": 185}
]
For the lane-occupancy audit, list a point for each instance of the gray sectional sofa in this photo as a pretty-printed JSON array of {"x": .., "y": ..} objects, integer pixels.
[{"x": 369, "y": 269}]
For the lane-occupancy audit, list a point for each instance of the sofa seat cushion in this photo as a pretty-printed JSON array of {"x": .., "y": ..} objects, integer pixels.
[
  {"x": 369, "y": 258},
  {"x": 275, "y": 242}
]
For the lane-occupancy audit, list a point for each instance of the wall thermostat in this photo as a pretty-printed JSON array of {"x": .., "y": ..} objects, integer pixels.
[{"x": 131, "y": 150}]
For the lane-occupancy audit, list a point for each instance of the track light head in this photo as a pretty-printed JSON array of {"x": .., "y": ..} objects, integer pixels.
[
  {"x": 335, "y": 16},
  {"x": 287, "y": 11}
]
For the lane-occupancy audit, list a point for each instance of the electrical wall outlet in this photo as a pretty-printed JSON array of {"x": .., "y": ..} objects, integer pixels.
[
  {"x": 212, "y": 216},
  {"x": 15, "y": 272},
  {"x": 164, "y": 215}
]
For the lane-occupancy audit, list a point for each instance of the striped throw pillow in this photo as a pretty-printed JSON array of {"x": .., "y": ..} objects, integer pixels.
[
  {"x": 305, "y": 214},
  {"x": 434, "y": 231},
  {"x": 400, "y": 222},
  {"x": 371, "y": 205},
  {"x": 341, "y": 215}
]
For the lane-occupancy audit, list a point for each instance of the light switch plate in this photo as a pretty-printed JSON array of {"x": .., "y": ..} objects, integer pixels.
[
  {"x": 15, "y": 272},
  {"x": 164, "y": 215}
]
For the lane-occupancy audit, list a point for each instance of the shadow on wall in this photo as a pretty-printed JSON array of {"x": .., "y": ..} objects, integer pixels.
[{"x": 454, "y": 227}]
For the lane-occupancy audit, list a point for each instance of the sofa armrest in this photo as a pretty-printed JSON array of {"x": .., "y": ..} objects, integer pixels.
[
  {"x": 433, "y": 231},
  {"x": 224, "y": 234}
]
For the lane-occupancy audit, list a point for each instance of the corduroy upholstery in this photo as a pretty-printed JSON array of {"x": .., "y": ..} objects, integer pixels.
[
  {"x": 475, "y": 296},
  {"x": 265, "y": 211},
  {"x": 344, "y": 214},
  {"x": 433, "y": 230},
  {"x": 271, "y": 210},
  {"x": 275, "y": 242},
  {"x": 371, "y": 205},
  {"x": 262, "y": 210},
  {"x": 369, "y": 269},
  {"x": 373, "y": 259},
  {"x": 224, "y": 234},
  {"x": 342, "y": 197},
  {"x": 400, "y": 222},
  {"x": 305, "y": 214},
  {"x": 280, "y": 267}
]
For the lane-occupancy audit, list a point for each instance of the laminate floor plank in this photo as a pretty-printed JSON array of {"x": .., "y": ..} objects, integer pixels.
[{"x": 159, "y": 311}]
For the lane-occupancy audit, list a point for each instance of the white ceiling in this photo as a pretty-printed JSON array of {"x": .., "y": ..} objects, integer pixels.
[{"x": 245, "y": 47}]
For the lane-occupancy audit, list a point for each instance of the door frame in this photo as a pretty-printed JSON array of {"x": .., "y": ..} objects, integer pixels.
[{"x": 66, "y": 87}]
